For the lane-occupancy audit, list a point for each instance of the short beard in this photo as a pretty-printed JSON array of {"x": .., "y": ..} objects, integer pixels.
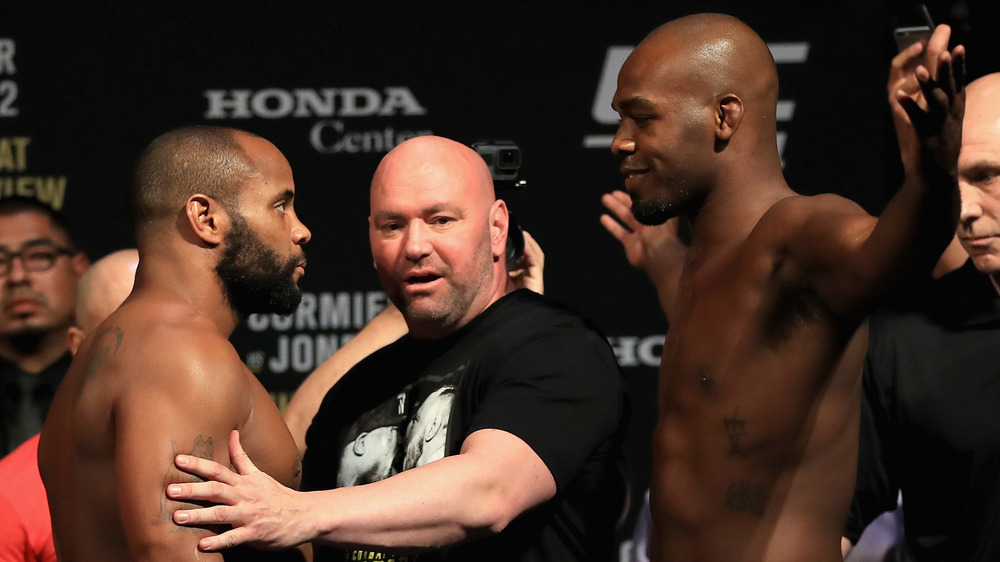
[
  {"x": 27, "y": 339},
  {"x": 652, "y": 213},
  {"x": 253, "y": 279}
]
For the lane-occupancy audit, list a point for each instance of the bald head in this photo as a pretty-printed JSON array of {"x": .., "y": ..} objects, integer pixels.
[
  {"x": 101, "y": 291},
  {"x": 715, "y": 54},
  {"x": 104, "y": 287},
  {"x": 982, "y": 108},
  {"x": 182, "y": 162},
  {"x": 427, "y": 159}
]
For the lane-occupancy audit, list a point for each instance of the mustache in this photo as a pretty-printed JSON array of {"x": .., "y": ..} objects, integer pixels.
[{"x": 24, "y": 293}]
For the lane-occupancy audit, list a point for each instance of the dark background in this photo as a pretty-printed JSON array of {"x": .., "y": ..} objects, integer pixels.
[{"x": 94, "y": 84}]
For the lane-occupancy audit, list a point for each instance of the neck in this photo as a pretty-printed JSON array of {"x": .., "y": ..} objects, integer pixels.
[
  {"x": 196, "y": 285},
  {"x": 734, "y": 208}
]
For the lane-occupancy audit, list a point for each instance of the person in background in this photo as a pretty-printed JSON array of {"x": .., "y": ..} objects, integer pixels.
[
  {"x": 25, "y": 526},
  {"x": 39, "y": 268},
  {"x": 931, "y": 384}
]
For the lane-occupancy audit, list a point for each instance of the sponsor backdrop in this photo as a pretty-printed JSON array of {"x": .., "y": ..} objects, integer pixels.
[{"x": 335, "y": 85}]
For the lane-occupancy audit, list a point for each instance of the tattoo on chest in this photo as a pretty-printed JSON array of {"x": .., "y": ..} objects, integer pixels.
[
  {"x": 745, "y": 496},
  {"x": 735, "y": 429},
  {"x": 203, "y": 448}
]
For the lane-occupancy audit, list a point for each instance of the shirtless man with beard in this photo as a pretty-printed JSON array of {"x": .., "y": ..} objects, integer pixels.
[{"x": 218, "y": 239}]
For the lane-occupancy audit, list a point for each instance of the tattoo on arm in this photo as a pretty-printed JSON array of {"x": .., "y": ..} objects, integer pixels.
[
  {"x": 203, "y": 448},
  {"x": 747, "y": 497},
  {"x": 735, "y": 428}
]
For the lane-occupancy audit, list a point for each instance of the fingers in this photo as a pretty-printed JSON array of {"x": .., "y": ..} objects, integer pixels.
[
  {"x": 940, "y": 89},
  {"x": 529, "y": 272},
  {"x": 901, "y": 70},
  {"x": 202, "y": 491},
  {"x": 615, "y": 228},
  {"x": 241, "y": 461},
  {"x": 619, "y": 204},
  {"x": 214, "y": 515},
  {"x": 958, "y": 67},
  {"x": 205, "y": 468},
  {"x": 905, "y": 59},
  {"x": 229, "y": 539},
  {"x": 937, "y": 44},
  {"x": 532, "y": 251}
]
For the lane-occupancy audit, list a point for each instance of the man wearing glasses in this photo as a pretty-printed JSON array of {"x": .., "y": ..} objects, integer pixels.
[{"x": 39, "y": 269}]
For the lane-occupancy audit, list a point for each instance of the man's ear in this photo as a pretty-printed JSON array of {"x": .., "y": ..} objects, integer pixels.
[
  {"x": 728, "y": 116},
  {"x": 371, "y": 241},
  {"x": 74, "y": 337},
  {"x": 499, "y": 223},
  {"x": 207, "y": 219},
  {"x": 80, "y": 263}
]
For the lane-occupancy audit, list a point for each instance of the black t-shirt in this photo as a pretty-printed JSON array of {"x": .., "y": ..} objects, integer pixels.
[
  {"x": 930, "y": 423},
  {"x": 525, "y": 366}
]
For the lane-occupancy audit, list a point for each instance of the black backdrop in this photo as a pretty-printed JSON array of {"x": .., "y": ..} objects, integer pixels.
[{"x": 334, "y": 85}]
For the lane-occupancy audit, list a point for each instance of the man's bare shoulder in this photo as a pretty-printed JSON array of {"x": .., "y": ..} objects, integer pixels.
[
  {"x": 803, "y": 224},
  {"x": 167, "y": 343},
  {"x": 800, "y": 211}
]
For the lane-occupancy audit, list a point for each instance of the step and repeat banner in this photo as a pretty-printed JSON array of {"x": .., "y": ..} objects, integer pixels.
[{"x": 83, "y": 88}]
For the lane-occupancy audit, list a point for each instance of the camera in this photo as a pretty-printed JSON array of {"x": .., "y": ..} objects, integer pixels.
[{"x": 503, "y": 158}]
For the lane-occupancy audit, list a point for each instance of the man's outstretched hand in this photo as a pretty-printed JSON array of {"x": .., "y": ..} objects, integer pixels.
[{"x": 262, "y": 512}]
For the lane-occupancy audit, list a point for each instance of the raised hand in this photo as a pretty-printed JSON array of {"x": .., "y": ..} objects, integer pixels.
[
  {"x": 927, "y": 97},
  {"x": 657, "y": 250}
]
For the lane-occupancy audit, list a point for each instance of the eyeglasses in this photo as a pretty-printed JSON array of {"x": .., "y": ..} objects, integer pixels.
[{"x": 37, "y": 257}]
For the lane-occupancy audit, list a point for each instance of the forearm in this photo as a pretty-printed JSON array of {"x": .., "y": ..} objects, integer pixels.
[
  {"x": 443, "y": 503},
  {"x": 916, "y": 226}
]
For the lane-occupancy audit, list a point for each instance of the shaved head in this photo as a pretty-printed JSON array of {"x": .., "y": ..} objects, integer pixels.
[
  {"x": 983, "y": 101},
  {"x": 104, "y": 287},
  {"x": 718, "y": 54},
  {"x": 421, "y": 157},
  {"x": 186, "y": 161}
]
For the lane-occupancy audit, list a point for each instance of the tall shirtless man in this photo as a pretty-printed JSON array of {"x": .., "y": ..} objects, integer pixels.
[
  {"x": 218, "y": 238},
  {"x": 756, "y": 440}
]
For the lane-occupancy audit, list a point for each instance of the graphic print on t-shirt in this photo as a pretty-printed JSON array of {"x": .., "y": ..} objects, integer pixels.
[{"x": 404, "y": 432}]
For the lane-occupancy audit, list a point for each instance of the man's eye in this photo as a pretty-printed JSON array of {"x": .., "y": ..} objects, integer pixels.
[
  {"x": 280, "y": 207},
  {"x": 40, "y": 255}
]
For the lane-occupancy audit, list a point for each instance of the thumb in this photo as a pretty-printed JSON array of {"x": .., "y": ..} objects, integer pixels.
[{"x": 241, "y": 461}]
